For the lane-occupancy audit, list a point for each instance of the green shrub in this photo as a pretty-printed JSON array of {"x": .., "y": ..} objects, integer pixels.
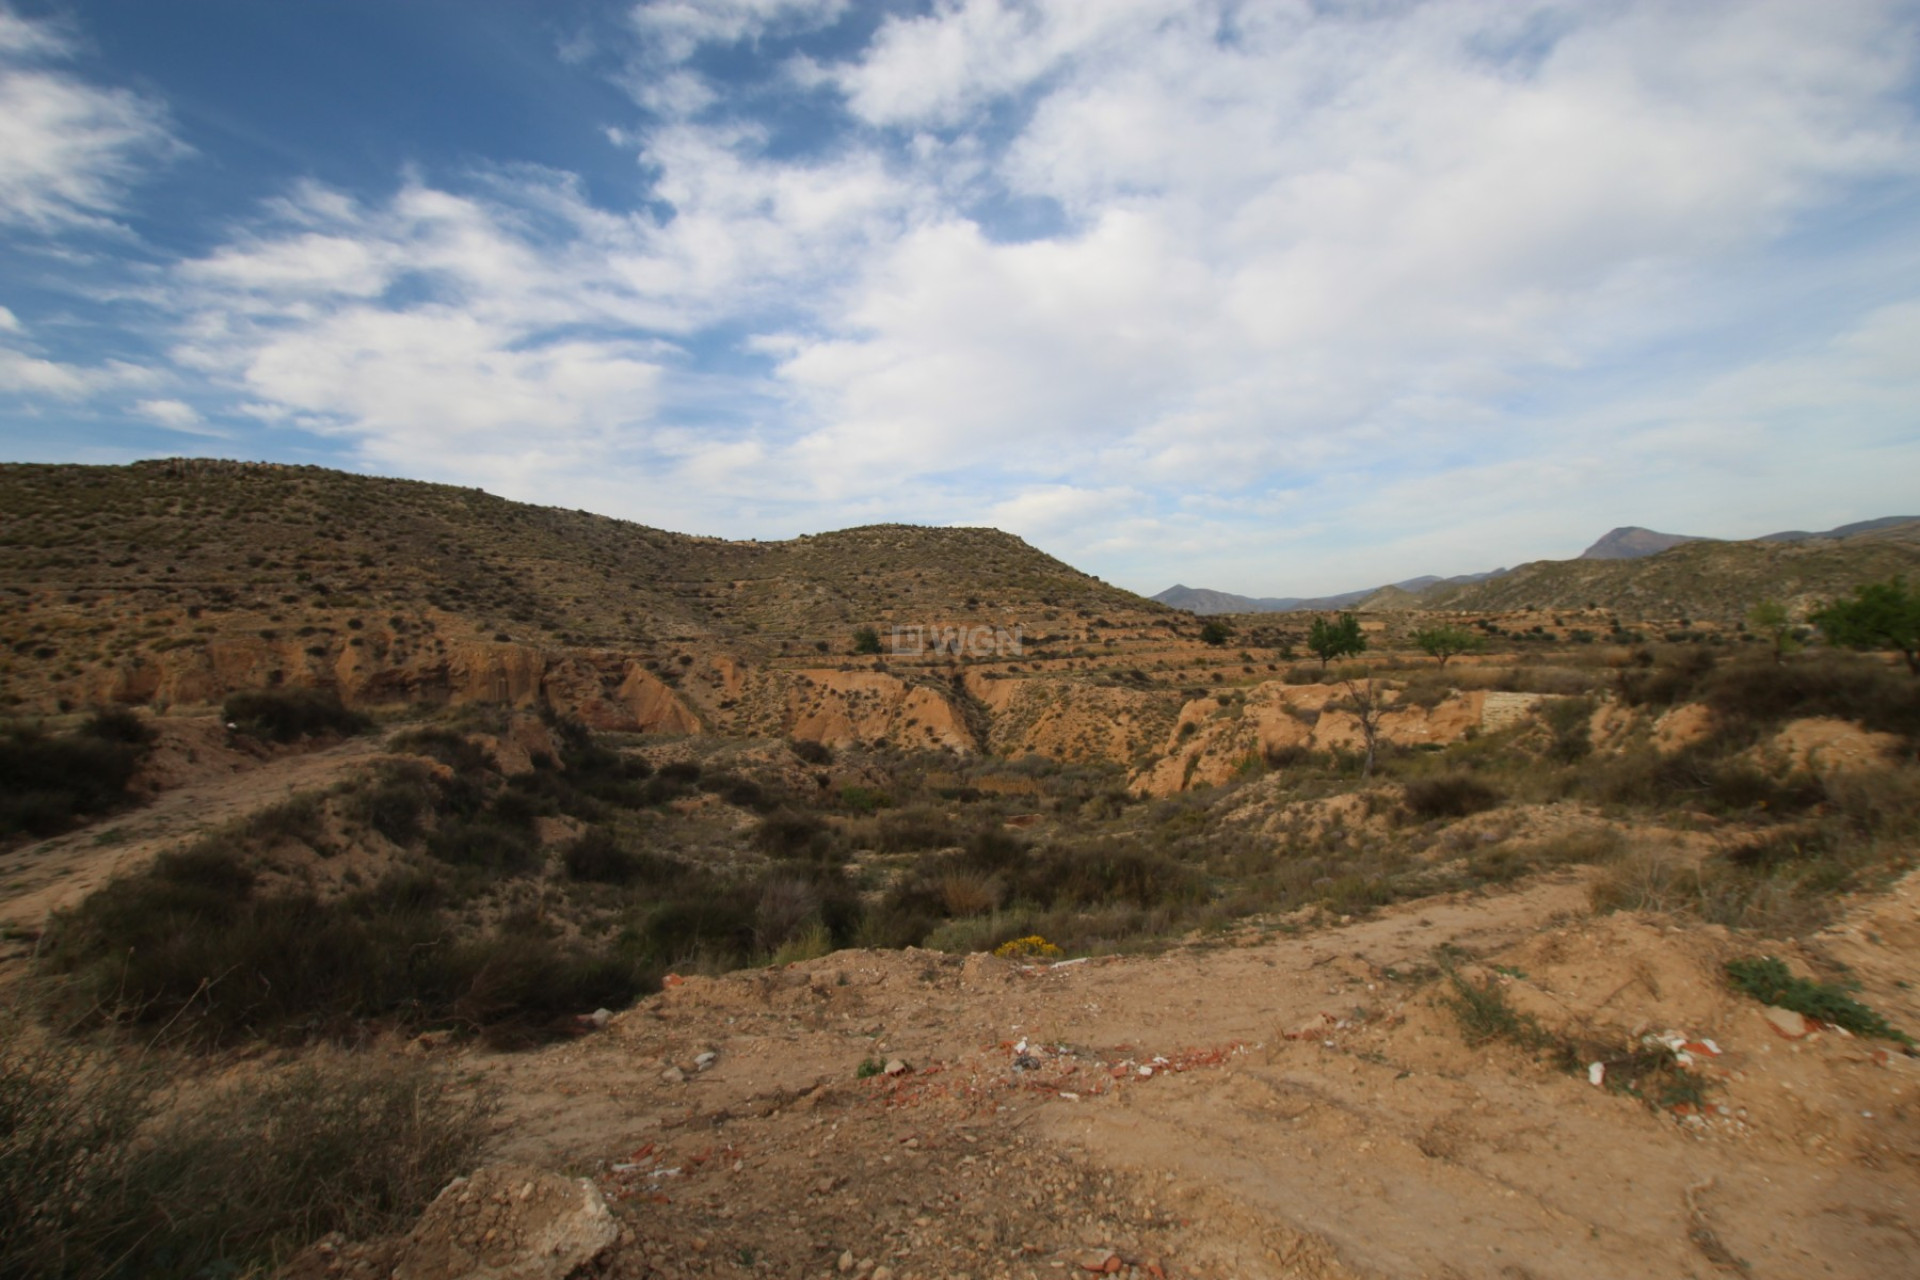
[
  {"x": 1768, "y": 980},
  {"x": 287, "y": 715}
]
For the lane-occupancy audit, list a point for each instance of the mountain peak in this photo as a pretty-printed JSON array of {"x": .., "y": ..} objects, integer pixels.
[{"x": 1630, "y": 542}]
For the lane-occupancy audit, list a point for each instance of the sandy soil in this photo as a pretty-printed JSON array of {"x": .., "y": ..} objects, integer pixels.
[
  {"x": 1274, "y": 1106},
  {"x": 1276, "y": 1103}
]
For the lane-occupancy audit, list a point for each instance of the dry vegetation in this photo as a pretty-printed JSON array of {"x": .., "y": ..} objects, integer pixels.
[{"x": 501, "y": 869}]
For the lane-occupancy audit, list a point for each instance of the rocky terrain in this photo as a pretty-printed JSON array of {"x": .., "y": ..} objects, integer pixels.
[{"x": 698, "y": 939}]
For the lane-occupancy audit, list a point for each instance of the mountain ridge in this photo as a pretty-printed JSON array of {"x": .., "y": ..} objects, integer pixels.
[{"x": 1625, "y": 543}]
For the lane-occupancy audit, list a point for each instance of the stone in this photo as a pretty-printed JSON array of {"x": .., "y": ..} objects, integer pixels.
[
  {"x": 1792, "y": 1025},
  {"x": 674, "y": 1075},
  {"x": 846, "y": 1260},
  {"x": 896, "y": 1067},
  {"x": 531, "y": 1225}
]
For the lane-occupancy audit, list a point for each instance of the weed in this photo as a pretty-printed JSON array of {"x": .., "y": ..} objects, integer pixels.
[
  {"x": 1485, "y": 1015},
  {"x": 1768, "y": 980}
]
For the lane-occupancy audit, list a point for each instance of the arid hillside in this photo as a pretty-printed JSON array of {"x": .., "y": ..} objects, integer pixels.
[{"x": 1710, "y": 581}]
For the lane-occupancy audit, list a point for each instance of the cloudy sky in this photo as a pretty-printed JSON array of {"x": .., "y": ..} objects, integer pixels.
[{"x": 1272, "y": 296}]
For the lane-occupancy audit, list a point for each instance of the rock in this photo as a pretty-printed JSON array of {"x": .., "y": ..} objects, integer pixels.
[
  {"x": 674, "y": 1075},
  {"x": 1099, "y": 1261},
  {"x": 882, "y": 1273},
  {"x": 704, "y": 1059},
  {"x": 895, "y": 1067},
  {"x": 600, "y": 1018},
  {"x": 528, "y": 1225},
  {"x": 846, "y": 1260},
  {"x": 1794, "y": 1026}
]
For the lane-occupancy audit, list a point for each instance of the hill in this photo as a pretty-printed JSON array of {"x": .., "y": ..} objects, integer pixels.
[
  {"x": 1202, "y": 601},
  {"x": 1630, "y": 542},
  {"x": 177, "y": 582},
  {"x": 1716, "y": 581}
]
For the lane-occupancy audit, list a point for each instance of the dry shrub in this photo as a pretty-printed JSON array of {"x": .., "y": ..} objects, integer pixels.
[
  {"x": 967, "y": 892},
  {"x": 786, "y": 903},
  {"x": 1453, "y": 795},
  {"x": 104, "y": 1172}
]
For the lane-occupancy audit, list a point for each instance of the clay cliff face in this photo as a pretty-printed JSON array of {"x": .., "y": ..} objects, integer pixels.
[{"x": 1169, "y": 743}]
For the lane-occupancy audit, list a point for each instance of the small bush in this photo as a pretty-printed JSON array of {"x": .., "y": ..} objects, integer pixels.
[
  {"x": 598, "y": 856},
  {"x": 455, "y": 750},
  {"x": 1454, "y": 795},
  {"x": 486, "y": 845},
  {"x": 814, "y": 753},
  {"x": 1484, "y": 1015},
  {"x": 1768, "y": 980},
  {"x": 792, "y": 833},
  {"x": 394, "y": 804},
  {"x": 48, "y": 784},
  {"x": 287, "y": 715}
]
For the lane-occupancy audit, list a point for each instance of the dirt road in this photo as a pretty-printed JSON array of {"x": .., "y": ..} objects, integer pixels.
[{"x": 219, "y": 785}]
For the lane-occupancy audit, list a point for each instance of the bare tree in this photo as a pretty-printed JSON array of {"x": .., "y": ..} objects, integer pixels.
[{"x": 1367, "y": 700}]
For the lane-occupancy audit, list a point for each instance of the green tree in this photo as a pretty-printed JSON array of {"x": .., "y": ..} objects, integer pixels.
[
  {"x": 1880, "y": 615},
  {"x": 1445, "y": 641},
  {"x": 866, "y": 640},
  {"x": 1771, "y": 620},
  {"x": 1215, "y": 632},
  {"x": 1339, "y": 639}
]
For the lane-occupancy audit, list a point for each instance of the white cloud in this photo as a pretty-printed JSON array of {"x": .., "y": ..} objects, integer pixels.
[
  {"x": 171, "y": 413},
  {"x": 23, "y": 374},
  {"x": 1341, "y": 283},
  {"x": 1299, "y": 236},
  {"x": 68, "y": 149},
  {"x": 675, "y": 29}
]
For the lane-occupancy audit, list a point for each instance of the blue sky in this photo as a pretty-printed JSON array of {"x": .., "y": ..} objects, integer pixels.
[{"x": 1275, "y": 297}]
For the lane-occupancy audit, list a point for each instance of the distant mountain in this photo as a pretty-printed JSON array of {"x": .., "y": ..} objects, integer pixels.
[
  {"x": 1701, "y": 579},
  {"x": 1844, "y": 531},
  {"x": 1630, "y": 542},
  {"x": 1200, "y": 600},
  {"x": 1625, "y": 544}
]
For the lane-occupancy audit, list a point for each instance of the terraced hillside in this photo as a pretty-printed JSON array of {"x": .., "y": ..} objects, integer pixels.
[{"x": 174, "y": 583}]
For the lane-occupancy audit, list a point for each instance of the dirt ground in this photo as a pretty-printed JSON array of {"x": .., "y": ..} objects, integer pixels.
[
  {"x": 1279, "y": 1102},
  {"x": 198, "y": 779},
  {"x": 1273, "y": 1105}
]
